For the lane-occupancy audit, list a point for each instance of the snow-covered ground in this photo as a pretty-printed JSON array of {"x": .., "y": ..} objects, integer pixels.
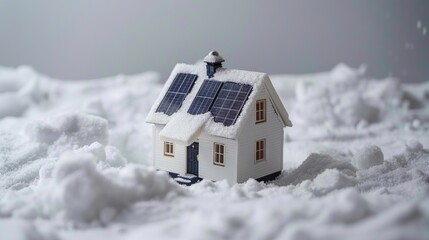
[{"x": 75, "y": 163}]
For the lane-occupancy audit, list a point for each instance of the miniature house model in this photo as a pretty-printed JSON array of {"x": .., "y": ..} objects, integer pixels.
[{"x": 217, "y": 123}]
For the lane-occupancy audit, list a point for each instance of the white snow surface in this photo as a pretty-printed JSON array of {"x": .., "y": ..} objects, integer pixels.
[{"x": 75, "y": 163}]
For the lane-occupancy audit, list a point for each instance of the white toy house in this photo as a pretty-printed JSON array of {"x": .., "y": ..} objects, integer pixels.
[{"x": 217, "y": 123}]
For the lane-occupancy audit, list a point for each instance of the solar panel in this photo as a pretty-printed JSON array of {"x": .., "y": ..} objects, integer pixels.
[
  {"x": 205, "y": 97},
  {"x": 176, "y": 93},
  {"x": 229, "y": 102}
]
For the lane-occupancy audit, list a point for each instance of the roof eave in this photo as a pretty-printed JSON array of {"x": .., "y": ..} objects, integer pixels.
[{"x": 277, "y": 103}]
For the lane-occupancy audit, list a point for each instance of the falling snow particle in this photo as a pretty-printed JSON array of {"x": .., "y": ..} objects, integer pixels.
[
  {"x": 419, "y": 24},
  {"x": 424, "y": 31}
]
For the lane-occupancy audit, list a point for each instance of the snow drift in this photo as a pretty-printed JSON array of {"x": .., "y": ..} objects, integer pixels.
[
  {"x": 85, "y": 194},
  {"x": 75, "y": 155}
]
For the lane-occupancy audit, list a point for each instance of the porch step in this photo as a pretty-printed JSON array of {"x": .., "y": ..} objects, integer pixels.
[{"x": 187, "y": 180}]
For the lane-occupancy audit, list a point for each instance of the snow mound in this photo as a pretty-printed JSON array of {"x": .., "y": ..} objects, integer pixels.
[
  {"x": 406, "y": 173},
  {"x": 336, "y": 99},
  {"x": 16, "y": 86},
  {"x": 18, "y": 229},
  {"x": 313, "y": 166},
  {"x": 86, "y": 194},
  {"x": 332, "y": 179},
  {"x": 45, "y": 140},
  {"x": 16, "y": 109},
  {"x": 78, "y": 190},
  {"x": 368, "y": 156},
  {"x": 71, "y": 128},
  {"x": 346, "y": 97}
]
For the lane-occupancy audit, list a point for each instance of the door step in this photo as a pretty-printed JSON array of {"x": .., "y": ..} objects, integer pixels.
[{"x": 187, "y": 179}]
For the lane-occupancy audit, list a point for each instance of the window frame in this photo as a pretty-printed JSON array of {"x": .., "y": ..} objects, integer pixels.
[
  {"x": 260, "y": 111},
  {"x": 260, "y": 150},
  {"x": 219, "y": 154},
  {"x": 168, "y": 149}
]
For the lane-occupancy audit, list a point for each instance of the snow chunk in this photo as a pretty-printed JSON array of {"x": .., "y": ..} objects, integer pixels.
[
  {"x": 86, "y": 194},
  {"x": 313, "y": 166},
  {"x": 368, "y": 156},
  {"x": 184, "y": 127},
  {"x": 332, "y": 179}
]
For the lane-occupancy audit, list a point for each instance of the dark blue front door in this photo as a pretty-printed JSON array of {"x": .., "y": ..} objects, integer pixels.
[{"x": 192, "y": 158}]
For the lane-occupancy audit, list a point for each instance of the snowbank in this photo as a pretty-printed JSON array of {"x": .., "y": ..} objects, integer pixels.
[
  {"x": 17, "y": 229},
  {"x": 334, "y": 100},
  {"x": 332, "y": 179},
  {"x": 72, "y": 166},
  {"x": 406, "y": 173},
  {"x": 313, "y": 166},
  {"x": 45, "y": 140},
  {"x": 345, "y": 97},
  {"x": 86, "y": 194},
  {"x": 71, "y": 128},
  {"x": 78, "y": 190}
]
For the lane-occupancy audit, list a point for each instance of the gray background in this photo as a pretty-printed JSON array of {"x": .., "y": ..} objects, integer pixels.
[{"x": 88, "y": 39}]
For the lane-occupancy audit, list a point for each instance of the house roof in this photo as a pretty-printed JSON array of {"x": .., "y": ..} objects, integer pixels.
[{"x": 185, "y": 128}]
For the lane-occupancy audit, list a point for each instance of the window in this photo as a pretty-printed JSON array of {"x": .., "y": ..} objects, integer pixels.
[
  {"x": 260, "y": 150},
  {"x": 261, "y": 112},
  {"x": 169, "y": 149},
  {"x": 219, "y": 154}
]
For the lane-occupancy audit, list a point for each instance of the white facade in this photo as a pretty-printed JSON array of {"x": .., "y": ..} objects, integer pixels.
[
  {"x": 272, "y": 131},
  {"x": 239, "y": 154}
]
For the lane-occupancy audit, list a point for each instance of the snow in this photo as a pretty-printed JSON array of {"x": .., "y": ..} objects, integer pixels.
[
  {"x": 85, "y": 194},
  {"x": 368, "y": 156},
  {"x": 314, "y": 165},
  {"x": 18, "y": 229},
  {"x": 184, "y": 128},
  {"x": 75, "y": 163},
  {"x": 335, "y": 101}
]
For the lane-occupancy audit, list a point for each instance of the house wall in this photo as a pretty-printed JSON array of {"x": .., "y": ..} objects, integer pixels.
[
  {"x": 272, "y": 131},
  {"x": 176, "y": 164},
  {"x": 207, "y": 169}
]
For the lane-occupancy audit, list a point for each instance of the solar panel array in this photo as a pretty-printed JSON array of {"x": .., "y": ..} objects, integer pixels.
[
  {"x": 229, "y": 102},
  {"x": 176, "y": 93},
  {"x": 205, "y": 97},
  {"x": 224, "y": 100}
]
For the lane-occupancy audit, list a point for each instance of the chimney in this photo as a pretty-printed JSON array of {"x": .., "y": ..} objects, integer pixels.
[{"x": 213, "y": 61}]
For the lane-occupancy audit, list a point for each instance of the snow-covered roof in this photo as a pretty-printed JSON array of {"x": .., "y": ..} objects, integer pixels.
[{"x": 184, "y": 127}]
